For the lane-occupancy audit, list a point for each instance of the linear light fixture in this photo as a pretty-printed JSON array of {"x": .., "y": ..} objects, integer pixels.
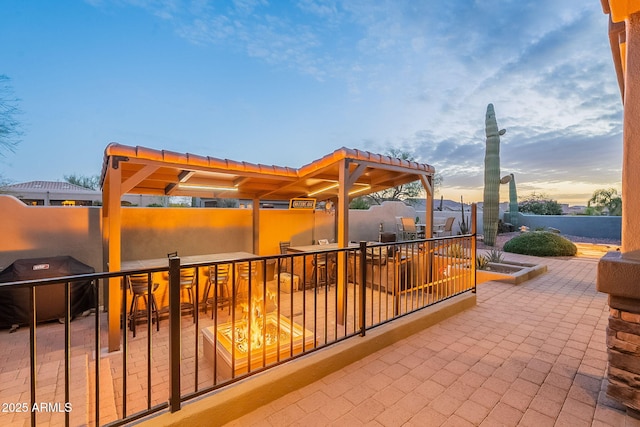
[
  {"x": 322, "y": 190},
  {"x": 364, "y": 187},
  {"x": 206, "y": 187},
  {"x": 359, "y": 190}
]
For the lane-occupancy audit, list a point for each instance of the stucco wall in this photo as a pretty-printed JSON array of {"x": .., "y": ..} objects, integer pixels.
[
  {"x": 39, "y": 231},
  {"x": 608, "y": 227},
  {"x": 298, "y": 227},
  {"x": 365, "y": 224},
  {"x": 154, "y": 232},
  {"x": 33, "y": 232}
]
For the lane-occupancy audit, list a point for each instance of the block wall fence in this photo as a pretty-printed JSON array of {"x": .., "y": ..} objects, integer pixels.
[{"x": 42, "y": 231}]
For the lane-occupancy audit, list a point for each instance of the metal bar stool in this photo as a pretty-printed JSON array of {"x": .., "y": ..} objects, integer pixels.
[
  {"x": 218, "y": 275},
  {"x": 187, "y": 283},
  {"x": 139, "y": 287}
]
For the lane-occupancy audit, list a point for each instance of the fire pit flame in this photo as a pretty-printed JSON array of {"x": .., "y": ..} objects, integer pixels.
[{"x": 257, "y": 332}]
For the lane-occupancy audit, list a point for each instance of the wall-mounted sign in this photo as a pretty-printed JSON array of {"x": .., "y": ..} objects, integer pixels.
[{"x": 302, "y": 203}]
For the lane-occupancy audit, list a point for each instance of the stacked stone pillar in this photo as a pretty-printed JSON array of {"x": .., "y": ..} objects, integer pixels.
[
  {"x": 623, "y": 345},
  {"x": 620, "y": 278}
]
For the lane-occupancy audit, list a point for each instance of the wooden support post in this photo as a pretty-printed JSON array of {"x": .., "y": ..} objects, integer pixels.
[
  {"x": 343, "y": 238},
  {"x": 256, "y": 226},
  {"x": 113, "y": 223}
]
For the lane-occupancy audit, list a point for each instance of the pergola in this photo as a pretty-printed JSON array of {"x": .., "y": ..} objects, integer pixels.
[{"x": 338, "y": 177}]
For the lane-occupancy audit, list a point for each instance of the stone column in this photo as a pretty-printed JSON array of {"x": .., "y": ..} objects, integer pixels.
[{"x": 620, "y": 278}]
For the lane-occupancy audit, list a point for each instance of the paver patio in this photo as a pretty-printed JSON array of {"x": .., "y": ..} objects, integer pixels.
[
  {"x": 530, "y": 355},
  {"x": 527, "y": 355}
]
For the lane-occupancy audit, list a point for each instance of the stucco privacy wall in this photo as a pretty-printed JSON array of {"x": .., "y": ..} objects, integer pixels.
[
  {"x": 34, "y": 231},
  {"x": 155, "y": 232},
  {"x": 603, "y": 227},
  {"x": 365, "y": 224},
  {"x": 39, "y": 231}
]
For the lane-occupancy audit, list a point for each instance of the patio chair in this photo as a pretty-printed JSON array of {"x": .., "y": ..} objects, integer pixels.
[
  {"x": 139, "y": 287},
  {"x": 284, "y": 273},
  {"x": 187, "y": 283},
  {"x": 445, "y": 228},
  {"x": 218, "y": 276},
  {"x": 284, "y": 246},
  {"x": 284, "y": 263}
]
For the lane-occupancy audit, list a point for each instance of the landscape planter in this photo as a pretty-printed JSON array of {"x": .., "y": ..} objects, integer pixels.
[{"x": 509, "y": 272}]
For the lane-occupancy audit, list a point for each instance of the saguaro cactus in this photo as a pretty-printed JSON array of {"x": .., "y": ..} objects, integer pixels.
[
  {"x": 465, "y": 227},
  {"x": 491, "y": 177}
]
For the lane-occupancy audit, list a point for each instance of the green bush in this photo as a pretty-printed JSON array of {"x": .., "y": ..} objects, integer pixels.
[{"x": 540, "y": 243}]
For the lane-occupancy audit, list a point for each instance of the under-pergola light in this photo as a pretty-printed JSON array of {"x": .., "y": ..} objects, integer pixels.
[
  {"x": 205, "y": 187},
  {"x": 363, "y": 187},
  {"x": 360, "y": 190},
  {"x": 322, "y": 190}
]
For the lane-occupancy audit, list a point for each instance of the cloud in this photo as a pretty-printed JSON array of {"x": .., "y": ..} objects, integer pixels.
[{"x": 419, "y": 76}]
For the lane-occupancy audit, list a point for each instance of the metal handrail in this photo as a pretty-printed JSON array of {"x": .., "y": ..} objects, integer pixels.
[{"x": 381, "y": 282}]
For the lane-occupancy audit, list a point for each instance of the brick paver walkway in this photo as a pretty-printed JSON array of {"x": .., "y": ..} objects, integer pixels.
[{"x": 528, "y": 355}]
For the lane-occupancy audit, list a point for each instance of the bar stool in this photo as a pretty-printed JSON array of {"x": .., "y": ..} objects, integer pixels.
[
  {"x": 187, "y": 283},
  {"x": 218, "y": 275},
  {"x": 246, "y": 273},
  {"x": 139, "y": 287},
  {"x": 319, "y": 272}
]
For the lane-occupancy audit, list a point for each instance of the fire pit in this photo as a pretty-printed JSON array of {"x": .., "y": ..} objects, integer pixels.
[{"x": 279, "y": 340}]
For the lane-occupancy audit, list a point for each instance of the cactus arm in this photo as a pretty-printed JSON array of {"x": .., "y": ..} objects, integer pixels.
[{"x": 513, "y": 202}]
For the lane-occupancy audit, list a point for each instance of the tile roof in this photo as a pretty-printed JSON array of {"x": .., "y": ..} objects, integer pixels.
[{"x": 46, "y": 186}]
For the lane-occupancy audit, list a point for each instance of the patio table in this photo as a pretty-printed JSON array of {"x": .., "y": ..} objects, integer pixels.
[
  {"x": 316, "y": 248},
  {"x": 162, "y": 294},
  {"x": 298, "y": 261},
  {"x": 189, "y": 259}
]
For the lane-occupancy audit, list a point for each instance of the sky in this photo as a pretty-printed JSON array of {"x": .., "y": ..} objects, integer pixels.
[{"x": 287, "y": 82}]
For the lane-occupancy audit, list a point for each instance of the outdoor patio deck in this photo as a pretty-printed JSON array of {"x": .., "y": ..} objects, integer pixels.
[
  {"x": 532, "y": 354},
  {"x": 527, "y": 355}
]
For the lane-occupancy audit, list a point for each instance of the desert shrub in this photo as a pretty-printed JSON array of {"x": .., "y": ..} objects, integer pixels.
[
  {"x": 540, "y": 243},
  {"x": 360, "y": 203},
  {"x": 482, "y": 262},
  {"x": 456, "y": 251},
  {"x": 540, "y": 204},
  {"x": 495, "y": 255}
]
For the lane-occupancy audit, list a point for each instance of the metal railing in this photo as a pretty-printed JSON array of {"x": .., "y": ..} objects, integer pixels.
[{"x": 257, "y": 313}]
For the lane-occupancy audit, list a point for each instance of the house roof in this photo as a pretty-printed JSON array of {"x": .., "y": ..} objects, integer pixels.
[
  {"x": 50, "y": 186},
  {"x": 161, "y": 172}
]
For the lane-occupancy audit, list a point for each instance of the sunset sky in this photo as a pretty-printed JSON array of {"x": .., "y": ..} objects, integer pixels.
[{"x": 286, "y": 82}]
